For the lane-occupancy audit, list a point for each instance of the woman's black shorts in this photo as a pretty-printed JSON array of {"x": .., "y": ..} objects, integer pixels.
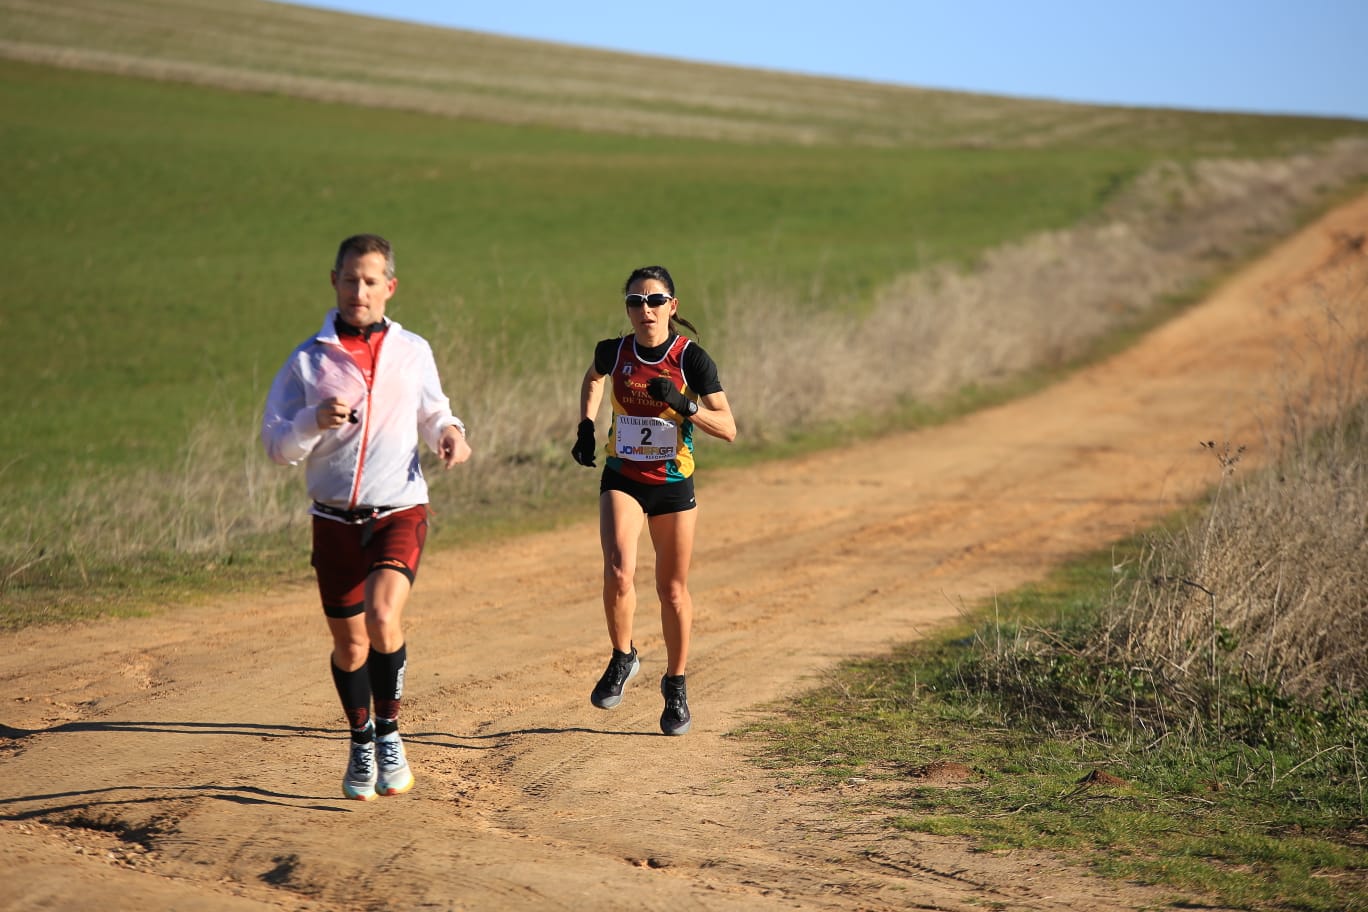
[{"x": 655, "y": 499}]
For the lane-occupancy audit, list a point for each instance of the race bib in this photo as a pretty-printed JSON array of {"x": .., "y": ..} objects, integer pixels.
[{"x": 645, "y": 439}]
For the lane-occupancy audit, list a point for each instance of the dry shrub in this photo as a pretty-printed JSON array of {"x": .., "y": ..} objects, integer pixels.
[
  {"x": 1212, "y": 208},
  {"x": 1270, "y": 585}
]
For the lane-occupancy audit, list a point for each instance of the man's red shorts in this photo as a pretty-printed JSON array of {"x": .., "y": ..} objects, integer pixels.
[{"x": 342, "y": 563}]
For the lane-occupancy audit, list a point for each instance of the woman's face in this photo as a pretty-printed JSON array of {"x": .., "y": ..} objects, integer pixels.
[{"x": 651, "y": 324}]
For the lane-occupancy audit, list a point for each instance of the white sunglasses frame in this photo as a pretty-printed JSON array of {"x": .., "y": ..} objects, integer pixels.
[{"x": 646, "y": 300}]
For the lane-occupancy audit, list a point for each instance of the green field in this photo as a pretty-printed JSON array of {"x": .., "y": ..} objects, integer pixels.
[{"x": 175, "y": 242}]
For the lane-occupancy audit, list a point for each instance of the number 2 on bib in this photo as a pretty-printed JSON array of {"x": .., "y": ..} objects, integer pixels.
[{"x": 645, "y": 439}]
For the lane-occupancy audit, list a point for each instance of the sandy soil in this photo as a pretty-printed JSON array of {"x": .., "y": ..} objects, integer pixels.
[{"x": 193, "y": 761}]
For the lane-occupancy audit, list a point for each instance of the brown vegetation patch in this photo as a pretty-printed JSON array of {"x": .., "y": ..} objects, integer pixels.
[
  {"x": 1103, "y": 779},
  {"x": 942, "y": 773}
]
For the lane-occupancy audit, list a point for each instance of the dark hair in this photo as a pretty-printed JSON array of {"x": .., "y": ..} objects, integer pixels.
[
  {"x": 661, "y": 275},
  {"x": 362, "y": 244}
]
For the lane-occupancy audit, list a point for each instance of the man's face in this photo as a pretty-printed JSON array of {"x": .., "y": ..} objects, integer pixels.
[{"x": 362, "y": 289}]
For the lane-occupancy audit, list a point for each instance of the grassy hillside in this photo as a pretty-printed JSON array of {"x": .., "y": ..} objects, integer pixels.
[
  {"x": 177, "y": 240},
  {"x": 175, "y": 225},
  {"x": 277, "y": 48}
]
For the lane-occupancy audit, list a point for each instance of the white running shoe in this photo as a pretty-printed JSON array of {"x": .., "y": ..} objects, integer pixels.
[
  {"x": 394, "y": 777},
  {"x": 359, "y": 783}
]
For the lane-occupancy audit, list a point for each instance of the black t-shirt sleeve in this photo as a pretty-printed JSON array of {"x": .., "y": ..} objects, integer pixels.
[
  {"x": 605, "y": 353},
  {"x": 700, "y": 370}
]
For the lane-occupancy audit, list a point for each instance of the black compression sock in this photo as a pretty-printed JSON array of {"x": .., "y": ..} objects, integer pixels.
[
  {"x": 353, "y": 689},
  {"x": 386, "y": 671}
]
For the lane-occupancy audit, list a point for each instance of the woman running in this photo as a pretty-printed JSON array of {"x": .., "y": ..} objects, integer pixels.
[{"x": 664, "y": 385}]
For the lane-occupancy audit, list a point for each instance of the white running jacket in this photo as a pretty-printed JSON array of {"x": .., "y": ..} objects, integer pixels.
[{"x": 374, "y": 462}]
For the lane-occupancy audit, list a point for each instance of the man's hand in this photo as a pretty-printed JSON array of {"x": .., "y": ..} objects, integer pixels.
[
  {"x": 333, "y": 413},
  {"x": 452, "y": 447},
  {"x": 583, "y": 450},
  {"x": 662, "y": 390}
]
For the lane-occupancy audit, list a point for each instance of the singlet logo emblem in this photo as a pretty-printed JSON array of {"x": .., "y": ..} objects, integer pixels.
[{"x": 626, "y": 370}]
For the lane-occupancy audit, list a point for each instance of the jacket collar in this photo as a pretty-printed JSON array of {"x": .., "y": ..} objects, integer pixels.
[{"x": 329, "y": 331}]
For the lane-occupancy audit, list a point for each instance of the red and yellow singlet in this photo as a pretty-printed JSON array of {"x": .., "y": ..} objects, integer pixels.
[{"x": 648, "y": 441}]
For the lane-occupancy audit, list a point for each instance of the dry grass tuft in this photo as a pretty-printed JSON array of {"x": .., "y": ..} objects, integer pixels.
[{"x": 1271, "y": 585}]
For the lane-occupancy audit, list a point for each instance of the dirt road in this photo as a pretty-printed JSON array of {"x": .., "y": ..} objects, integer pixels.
[{"x": 192, "y": 761}]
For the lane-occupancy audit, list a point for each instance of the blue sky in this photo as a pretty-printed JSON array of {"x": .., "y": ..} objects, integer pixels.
[{"x": 1293, "y": 57}]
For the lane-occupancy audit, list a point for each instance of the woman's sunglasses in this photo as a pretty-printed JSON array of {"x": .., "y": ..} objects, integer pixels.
[{"x": 655, "y": 300}]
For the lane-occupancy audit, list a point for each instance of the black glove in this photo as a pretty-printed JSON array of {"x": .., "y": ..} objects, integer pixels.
[
  {"x": 583, "y": 450},
  {"x": 662, "y": 390}
]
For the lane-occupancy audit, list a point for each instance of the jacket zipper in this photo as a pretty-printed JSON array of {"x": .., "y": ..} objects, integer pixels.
[{"x": 365, "y": 425}]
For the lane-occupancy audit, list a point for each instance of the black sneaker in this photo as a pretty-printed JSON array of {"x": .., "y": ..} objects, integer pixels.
[
  {"x": 675, "y": 719},
  {"x": 622, "y": 667}
]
